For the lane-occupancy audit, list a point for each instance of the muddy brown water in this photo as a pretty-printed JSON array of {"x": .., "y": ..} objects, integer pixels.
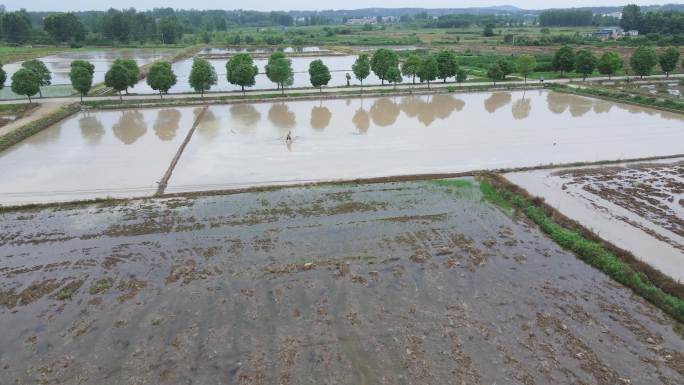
[
  {"x": 125, "y": 153},
  {"x": 395, "y": 283},
  {"x": 108, "y": 153},
  {"x": 243, "y": 145},
  {"x": 637, "y": 206}
]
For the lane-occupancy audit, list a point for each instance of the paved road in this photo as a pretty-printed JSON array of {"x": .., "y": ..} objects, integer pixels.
[{"x": 332, "y": 90}]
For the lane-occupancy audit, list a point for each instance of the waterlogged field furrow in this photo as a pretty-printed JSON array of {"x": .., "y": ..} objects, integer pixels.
[
  {"x": 414, "y": 282},
  {"x": 638, "y": 206}
]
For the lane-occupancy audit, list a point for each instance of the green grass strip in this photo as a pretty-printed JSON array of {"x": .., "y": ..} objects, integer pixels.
[
  {"x": 589, "y": 251},
  {"x": 10, "y": 139}
]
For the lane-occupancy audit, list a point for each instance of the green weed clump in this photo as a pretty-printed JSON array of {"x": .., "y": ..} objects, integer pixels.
[{"x": 589, "y": 251}]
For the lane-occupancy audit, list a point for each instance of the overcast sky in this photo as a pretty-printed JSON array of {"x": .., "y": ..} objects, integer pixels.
[{"x": 268, "y": 5}]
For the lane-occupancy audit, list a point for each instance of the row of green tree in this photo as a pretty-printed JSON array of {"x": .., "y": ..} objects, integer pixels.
[
  {"x": 642, "y": 61},
  {"x": 384, "y": 63}
]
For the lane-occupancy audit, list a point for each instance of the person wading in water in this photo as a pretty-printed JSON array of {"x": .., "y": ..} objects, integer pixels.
[{"x": 288, "y": 138}]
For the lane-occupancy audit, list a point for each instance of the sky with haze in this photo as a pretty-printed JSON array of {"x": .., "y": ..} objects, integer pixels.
[{"x": 268, "y": 5}]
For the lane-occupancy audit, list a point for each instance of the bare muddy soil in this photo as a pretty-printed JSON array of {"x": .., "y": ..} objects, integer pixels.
[
  {"x": 652, "y": 191},
  {"x": 392, "y": 283}
]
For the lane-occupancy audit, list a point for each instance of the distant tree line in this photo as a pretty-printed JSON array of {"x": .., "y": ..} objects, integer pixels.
[
  {"x": 164, "y": 25},
  {"x": 566, "y": 18},
  {"x": 662, "y": 22}
]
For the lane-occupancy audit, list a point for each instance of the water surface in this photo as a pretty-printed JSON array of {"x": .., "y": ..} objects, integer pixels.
[
  {"x": 94, "y": 155},
  {"x": 243, "y": 144}
]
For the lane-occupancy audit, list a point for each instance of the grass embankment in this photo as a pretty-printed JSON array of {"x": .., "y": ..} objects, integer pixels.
[
  {"x": 623, "y": 96},
  {"x": 622, "y": 266},
  {"x": 23, "y": 132},
  {"x": 15, "y": 111}
]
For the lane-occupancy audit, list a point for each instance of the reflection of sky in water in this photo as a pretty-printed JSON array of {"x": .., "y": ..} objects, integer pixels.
[{"x": 241, "y": 144}]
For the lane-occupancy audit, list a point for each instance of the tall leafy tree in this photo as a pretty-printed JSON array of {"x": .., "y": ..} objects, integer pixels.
[
  {"x": 564, "y": 59},
  {"x": 643, "y": 60},
  {"x": 241, "y": 71},
  {"x": 15, "y": 27},
  {"x": 394, "y": 76},
  {"x": 161, "y": 77},
  {"x": 3, "y": 77},
  {"x": 428, "y": 70},
  {"x": 668, "y": 60},
  {"x": 446, "y": 64},
  {"x": 64, "y": 27},
  {"x": 319, "y": 75},
  {"x": 382, "y": 60},
  {"x": 361, "y": 68},
  {"x": 495, "y": 73},
  {"x": 585, "y": 63},
  {"x": 117, "y": 78},
  {"x": 461, "y": 75},
  {"x": 526, "y": 65},
  {"x": 410, "y": 67},
  {"x": 85, "y": 64},
  {"x": 609, "y": 63},
  {"x": 280, "y": 72},
  {"x": 202, "y": 76},
  {"x": 271, "y": 60},
  {"x": 81, "y": 80},
  {"x": 170, "y": 29},
  {"x": 507, "y": 66},
  {"x": 132, "y": 71},
  {"x": 25, "y": 82},
  {"x": 631, "y": 17},
  {"x": 41, "y": 71}
]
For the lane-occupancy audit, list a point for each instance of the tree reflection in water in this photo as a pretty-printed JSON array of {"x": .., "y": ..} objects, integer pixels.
[
  {"x": 497, "y": 100},
  {"x": 167, "y": 123},
  {"x": 281, "y": 117},
  {"x": 91, "y": 129},
  {"x": 130, "y": 127}
]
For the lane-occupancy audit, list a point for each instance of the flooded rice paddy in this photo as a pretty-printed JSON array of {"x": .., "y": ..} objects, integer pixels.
[
  {"x": 637, "y": 206},
  {"x": 125, "y": 153},
  {"x": 105, "y": 153},
  {"x": 242, "y": 145},
  {"x": 339, "y": 66},
  {"x": 59, "y": 66},
  {"x": 394, "y": 283}
]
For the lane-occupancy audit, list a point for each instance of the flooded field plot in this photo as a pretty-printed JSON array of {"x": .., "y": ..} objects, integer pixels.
[
  {"x": 339, "y": 66},
  {"x": 94, "y": 155},
  {"x": 242, "y": 145},
  {"x": 639, "y": 207},
  {"x": 59, "y": 66},
  {"x": 259, "y": 50},
  {"x": 397, "y": 283}
]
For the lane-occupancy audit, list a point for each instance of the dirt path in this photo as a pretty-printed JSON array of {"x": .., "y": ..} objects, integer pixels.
[
  {"x": 45, "y": 109},
  {"x": 394, "y": 283}
]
